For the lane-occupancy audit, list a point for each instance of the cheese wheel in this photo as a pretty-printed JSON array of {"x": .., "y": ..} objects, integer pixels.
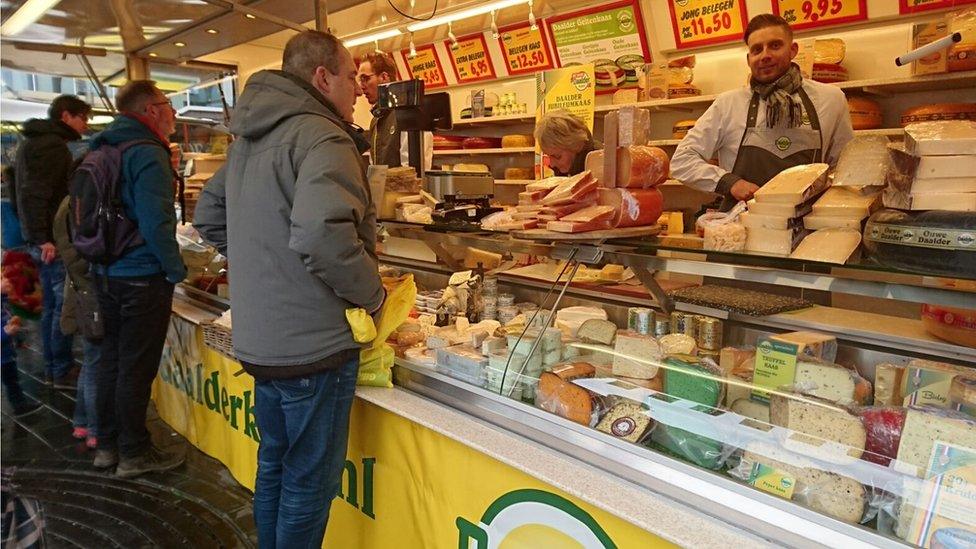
[
  {"x": 641, "y": 166},
  {"x": 939, "y": 111},
  {"x": 681, "y": 128},
  {"x": 481, "y": 143},
  {"x": 510, "y": 141},
  {"x": 962, "y": 57},
  {"x": 684, "y": 90},
  {"x": 829, "y": 50},
  {"x": 951, "y": 324},
  {"x": 446, "y": 142},
  {"x": 829, "y": 72},
  {"x": 865, "y": 113},
  {"x": 519, "y": 173},
  {"x": 633, "y": 207}
]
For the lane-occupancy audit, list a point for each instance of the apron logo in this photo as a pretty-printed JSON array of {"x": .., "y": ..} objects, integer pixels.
[
  {"x": 783, "y": 143},
  {"x": 805, "y": 119}
]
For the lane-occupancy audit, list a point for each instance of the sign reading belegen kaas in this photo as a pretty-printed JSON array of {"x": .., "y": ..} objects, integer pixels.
[{"x": 525, "y": 50}]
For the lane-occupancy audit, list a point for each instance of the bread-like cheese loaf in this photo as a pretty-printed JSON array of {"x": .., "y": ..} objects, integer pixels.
[
  {"x": 636, "y": 355},
  {"x": 517, "y": 141},
  {"x": 829, "y": 50},
  {"x": 795, "y": 185},
  {"x": 820, "y": 419}
]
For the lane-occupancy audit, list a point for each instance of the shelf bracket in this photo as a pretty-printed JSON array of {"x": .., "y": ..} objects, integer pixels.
[
  {"x": 660, "y": 296},
  {"x": 583, "y": 253},
  {"x": 871, "y": 90}
]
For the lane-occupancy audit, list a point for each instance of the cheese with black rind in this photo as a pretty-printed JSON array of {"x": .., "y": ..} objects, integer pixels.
[{"x": 934, "y": 241}]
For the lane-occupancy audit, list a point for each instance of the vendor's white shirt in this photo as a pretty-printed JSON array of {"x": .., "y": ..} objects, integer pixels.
[
  {"x": 719, "y": 131},
  {"x": 427, "y": 151}
]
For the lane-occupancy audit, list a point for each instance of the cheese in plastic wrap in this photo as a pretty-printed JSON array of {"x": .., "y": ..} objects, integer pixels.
[
  {"x": 938, "y": 242},
  {"x": 863, "y": 163}
]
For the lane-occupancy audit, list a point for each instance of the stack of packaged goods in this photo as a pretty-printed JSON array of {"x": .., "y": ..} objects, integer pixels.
[
  {"x": 828, "y": 54},
  {"x": 774, "y": 221}
]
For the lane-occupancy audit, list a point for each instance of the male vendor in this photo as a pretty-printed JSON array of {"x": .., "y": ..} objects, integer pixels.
[
  {"x": 781, "y": 120},
  {"x": 388, "y": 146}
]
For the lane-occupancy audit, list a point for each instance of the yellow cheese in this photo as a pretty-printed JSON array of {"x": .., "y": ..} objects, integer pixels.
[
  {"x": 828, "y": 246},
  {"x": 941, "y": 138},
  {"x": 519, "y": 173},
  {"x": 488, "y": 260},
  {"x": 515, "y": 141},
  {"x": 755, "y": 221},
  {"x": 672, "y": 223},
  {"x": 816, "y": 222},
  {"x": 777, "y": 210},
  {"x": 843, "y": 202},
  {"x": 470, "y": 168},
  {"x": 794, "y": 185},
  {"x": 772, "y": 241},
  {"x": 812, "y": 344},
  {"x": 829, "y": 50}
]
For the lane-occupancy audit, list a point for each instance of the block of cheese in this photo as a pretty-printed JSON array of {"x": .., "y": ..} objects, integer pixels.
[
  {"x": 953, "y": 166},
  {"x": 863, "y": 162},
  {"x": 594, "y": 165},
  {"x": 940, "y": 138},
  {"x": 865, "y": 113},
  {"x": 694, "y": 383},
  {"x": 566, "y": 209},
  {"x": 681, "y": 128},
  {"x": 636, "y": 355},
  {"x": 476, "y": 168},
  {"x": 531, "y": 198},
  {"x": 758, "y": 411},
  {"x": 633, "y": 207},
  {"x": 950, "y": 202},
  {"x": 578, "y": 226},
  {"x": 795, "y": 185},
  {"x": 517, "y": 141},
  {"x": 546, "y": 184},
  {"x": 829, "y": 50},
  {"x": 773, "y": 241},
  {"x": 843, "y": 202},
  {"x": 811, "y": 344},
  {"x": 678, "y": 344},
  {"x": 626, "y": 420},
  {"x": 824, "y": 380},
  {"x": 821, "y": 420},
  {"x": 755, "y": 221},
  {"x": 889, "y": 383},
  {"x": 939, "y": 111},
  {"x": 924, "y": 426},
  {"x": 780, "y": 210},
  {"x": 633, "y": 126},
  {"x": 570, "y": 190},
  {"x": 950, "y": 185},
  {"x": 474, "y": 256},
  {"x": 641, "y": 166},
  {"x": 591, "y": 214},
  {"x": 828, "y": 246},
  {"x": 961, "y": 57},
  {"x": 519, "y": 173},
  {"x": 816, "y": 222},
  {"x": 951, "y": 324},
  {"x": 672, "y": 223},
  {"x": 834, "y": 495},
  {"x": 598, "y": 331}
]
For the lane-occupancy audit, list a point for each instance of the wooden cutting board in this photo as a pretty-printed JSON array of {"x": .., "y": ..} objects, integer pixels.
[{"x": 607, "y": 234}]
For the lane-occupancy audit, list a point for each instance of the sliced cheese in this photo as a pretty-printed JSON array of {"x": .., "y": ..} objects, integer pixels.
[
  {"x": 947, "y": 166},
  {"x": 863, "y": 162},
  {"x": 816, "y": 222},
  {"x": 828, "y": 246},
  {"x": 758, "y": 411},
  {"x": 827, "y": 381},
  {"x": 594, "y": 164},
  {"x": 773, "y": 241},
  {"x": 842, "y": 202},
  {"x": 636, "y": 355},
  {"x": 948, "y": 137},
  {"x": 822, "y": 421},
  {"x": 954, "y": 202},
  {"x": 944, "y": 184},
  {"x": 794, "y": 185},
  {"x": 755, "y": 221},
  {"x": 778, "y": 210},
  {"x": 923, "y": 428}
]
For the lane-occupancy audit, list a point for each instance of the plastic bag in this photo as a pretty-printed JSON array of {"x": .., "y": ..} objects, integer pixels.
[
  {"x": 376, "y": 359},
  {"x": 722, "y": 230},
  {"x": 363, "y": 328},
  {"x": 883, "y": 426}
]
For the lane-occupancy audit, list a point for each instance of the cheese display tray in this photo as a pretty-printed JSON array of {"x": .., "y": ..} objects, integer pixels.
[
  {"x": 607, "y": 234},
  {"x": 739, "y": 300}
]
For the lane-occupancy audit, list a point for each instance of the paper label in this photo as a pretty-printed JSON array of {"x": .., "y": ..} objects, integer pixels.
[
  {"x": 927, "y": 387},
  {"x": 922, "y": 237},
  {"x": 470, "y": 59},
  {"x": 946, "y": 503},
  {"x": 772, "y": 481},
  {"x": 427, "y": 67},
  {"x": 775, "y": 366},
  {"x": 704, "y": 22},
  {"x": 808, "y": 14}
]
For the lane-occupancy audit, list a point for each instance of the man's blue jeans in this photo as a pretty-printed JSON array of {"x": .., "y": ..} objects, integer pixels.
[
  {"x": 57, "y": 346},
  {"x": 304, "y": 428},
  {"x": 85, "y": 404}
]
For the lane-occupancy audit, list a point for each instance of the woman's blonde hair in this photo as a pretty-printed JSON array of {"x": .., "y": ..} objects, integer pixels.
[{"x": 561, "y": 130}]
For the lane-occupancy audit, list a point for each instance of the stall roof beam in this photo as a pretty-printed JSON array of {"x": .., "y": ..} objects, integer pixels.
[
  {"x": 58, "y": 48},
  {"x": 235, "y": 6}
]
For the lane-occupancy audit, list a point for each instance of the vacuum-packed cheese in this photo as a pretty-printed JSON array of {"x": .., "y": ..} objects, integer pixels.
[
  {"x": 819, "y": 419},
  {"x": 825, "y": 380},
  {"x": 842, "y": 202},
  {"x": 641, "y": 166},
  {"x": 773, "y": 241},
  {"x": 923, "y": 427},
  {"x": 828, "y": 246},
  {"x": 794, "y": 185},
  {"x": 935, "y": 241},
  {"x": 626, "y": 420},
  {"x": 633, "y": 207},
  {"x": 863, "y": 162},
  {"x": 940, "y": 138}
]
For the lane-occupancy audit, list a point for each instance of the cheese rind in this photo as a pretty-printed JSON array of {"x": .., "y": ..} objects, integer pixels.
[{"x": 794, "y": 185}]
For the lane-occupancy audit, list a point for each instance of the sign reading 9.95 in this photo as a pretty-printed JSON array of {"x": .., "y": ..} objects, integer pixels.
[
  {"x": 808, "y": 14},
  {"x": 704, "y": 22}
]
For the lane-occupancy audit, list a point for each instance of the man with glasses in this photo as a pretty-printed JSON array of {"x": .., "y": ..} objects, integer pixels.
[
  {"x": 135, "y": 292},
  {"x": 43, "y": 166},
  {"x": 388, "y": 146}
]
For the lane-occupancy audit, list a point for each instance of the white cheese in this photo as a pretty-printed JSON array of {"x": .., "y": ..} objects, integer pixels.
[
  {"x": 842, "y": 202},
  {"x": 946, "y": 166},
  {"x": 755, "y": 221},
  {"x": 633, "y": 354},
  {"x": 863, "y": 162},
  {"x": 826, "y": 381},
  {"x": 773, "y": 241},
  {"x": 924, "y": 427},
  {"x": 817, "y": 222},
  {"x": 778, "y": 210},
  {"x": 945, "y": 137},
  {"x": 828, "y": 246},
  {"x": 945, "y": 184},
  {"x": 794, "y": 185},
  {"x": 955, "y": 202},
  {"x": 820, "y": 420}
]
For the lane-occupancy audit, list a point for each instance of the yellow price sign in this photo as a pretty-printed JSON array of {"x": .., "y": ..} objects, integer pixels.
[
  {"x": 809, "y": 14},
  {"x": 470, "y": 59},
  {"x": 427, "y": 67},
  {"x": 704, "y": 22},
  {"x": 524, "y": 50}
]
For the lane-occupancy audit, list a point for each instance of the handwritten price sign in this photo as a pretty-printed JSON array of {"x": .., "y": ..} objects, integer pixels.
[
  {"x": 524, "y": 50},
  {"x": 704, "y": 22},
  {"x": 470, "y": 59},
  {"x": 427, "y": 67},
  {"x": 808, "y": 14}
]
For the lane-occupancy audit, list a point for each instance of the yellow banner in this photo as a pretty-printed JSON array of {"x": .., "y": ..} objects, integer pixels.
[
  {"x": 570, "y": 88},
  {"x": 470, "y": 59},
  {"x": 427, "y": 67}
]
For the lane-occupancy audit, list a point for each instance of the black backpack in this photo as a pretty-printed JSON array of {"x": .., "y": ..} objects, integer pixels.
[{"x": 99, "y": 227}]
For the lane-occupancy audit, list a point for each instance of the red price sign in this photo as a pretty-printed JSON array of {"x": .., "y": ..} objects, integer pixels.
[
  {"x": 427, "y": 67},
  {"x": 470, "y": 59},
  {"x": 906, "y": 7},
  {"x": 808, "y": 14},
  {"x": 704, "y": 22},
  {"x": 524, "y": 50}
]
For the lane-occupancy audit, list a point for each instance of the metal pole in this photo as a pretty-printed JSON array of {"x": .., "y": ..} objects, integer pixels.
[
  {"x": 93, "y": 78},
  {"x": 322, "y": 15}
]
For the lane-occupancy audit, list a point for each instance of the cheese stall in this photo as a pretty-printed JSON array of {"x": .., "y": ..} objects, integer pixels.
[{"x": 610, "y": 359}]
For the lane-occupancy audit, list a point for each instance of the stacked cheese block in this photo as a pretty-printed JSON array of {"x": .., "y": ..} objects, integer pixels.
[
  {"x": 828, "y": 54},
  {"x": 836, "y": 221},
  {"x": 774, "y": 221},
  {"x": 936, "y": 169}
]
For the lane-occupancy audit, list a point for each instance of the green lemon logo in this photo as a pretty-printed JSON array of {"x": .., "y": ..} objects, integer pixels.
[
  {"x": 625, "y": 20},
  {"x": 783, "y": 143}
]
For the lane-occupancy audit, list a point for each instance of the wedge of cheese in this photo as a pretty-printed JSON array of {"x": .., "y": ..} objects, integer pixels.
[
  {"x": 941, "y": 138},
  {"x": 636, "y": 355},
  {"x": 811, "y": 344},
  {"x": 828, "y": 246},
  {"x": 843, "y": 202},
  {"x": 755, "y": 221},
  {"x": 863, "y": 162},
  {"x": 758, "y": 411},
  {"x": 773, "y": 241},
  {"x": 924, "y": 427},
  {"x": 822, "y": 420},
  {"x": 795, "y": 185},
  {"x": 816, "y": 222},
  {"x": 779, "y": 210},
  {"x": 830, "y": 382}
]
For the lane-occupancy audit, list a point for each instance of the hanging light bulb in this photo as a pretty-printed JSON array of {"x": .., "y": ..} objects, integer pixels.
[
  {"x": 494, "y": 26},
  {"x": 450, "y": 34},
  {"x": 413, "y": 49},
  {"x": 532, "y": 23}
]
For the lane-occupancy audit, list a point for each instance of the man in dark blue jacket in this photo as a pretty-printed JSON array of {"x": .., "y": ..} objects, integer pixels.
[{"x": 136, "y": 291}]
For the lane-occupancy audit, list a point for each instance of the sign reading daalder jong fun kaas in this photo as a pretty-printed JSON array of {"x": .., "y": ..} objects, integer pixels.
[{"x": 403, "y": 484}]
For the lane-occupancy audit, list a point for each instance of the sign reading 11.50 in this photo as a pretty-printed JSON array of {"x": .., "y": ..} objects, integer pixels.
[{"x": 704, "y": 22}]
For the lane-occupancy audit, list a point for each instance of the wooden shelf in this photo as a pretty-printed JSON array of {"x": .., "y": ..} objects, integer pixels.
[
  {"x": 491, "y": 120},
  {"x": 928, "y": 82},
  {"x": 514, "y": 182},
  {"x": 466, "y": 152}
]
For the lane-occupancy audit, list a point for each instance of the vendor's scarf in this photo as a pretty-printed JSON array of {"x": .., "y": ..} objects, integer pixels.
[{"x": 780, "y": 102}]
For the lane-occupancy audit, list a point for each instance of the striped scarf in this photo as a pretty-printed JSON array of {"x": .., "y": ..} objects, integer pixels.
[{"x": 780, "y": 102}]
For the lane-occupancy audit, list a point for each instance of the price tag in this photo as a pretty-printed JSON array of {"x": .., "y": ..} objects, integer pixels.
[
  {"x": 907, "y": 7},
  {"x": 524, "y": 50},
  {"x": 808, "y": 14},
  {"x": 775, "y": 366},
  {"x": 470, "y": 59},
  {"x": 704, "y": 22},
  {"x": 427, "y": 67}
]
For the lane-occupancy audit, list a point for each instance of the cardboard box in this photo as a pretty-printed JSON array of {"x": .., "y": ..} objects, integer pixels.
[{"x": 925, "y": 33}]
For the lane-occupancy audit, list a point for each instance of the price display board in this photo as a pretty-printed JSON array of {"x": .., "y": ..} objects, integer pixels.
[
  {"x": 809, "y": 14},
  {"x": 524, "y": 50},
  {"x": 704, "y": 22},
  {"x": 427, "y": 67},
  {"x": 470, "y": 59},
  {"x": 906, "y": 7}
]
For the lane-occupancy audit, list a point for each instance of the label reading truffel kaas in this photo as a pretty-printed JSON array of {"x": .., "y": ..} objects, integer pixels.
[{"x": 923, "y": 237}]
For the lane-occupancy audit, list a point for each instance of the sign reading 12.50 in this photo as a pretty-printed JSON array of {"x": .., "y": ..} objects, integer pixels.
[
  {"x": 807, "y": 14},
  {"x": 704, "y": 22}
]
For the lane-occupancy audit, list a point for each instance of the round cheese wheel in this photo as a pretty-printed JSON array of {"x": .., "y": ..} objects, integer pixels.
[
  {"x": 829, "y": 72},
  {"x": 609, "y": 75},
  {"x": 950, "y": 323},
  {"x": 481, "y": 143},
  {"x": 686, "y": 90},
  {"x": 519, "y": 173},
  {"x": 445, "y": 142},
  {"x": 510, "y": 141},
  {"x": 829, "y": 50},
  {"x": 962, "y": 57},
  {"x": 681, "y": 128},
  {"x": 939, "y": 111},
  {"x": 865, "y": 113}
]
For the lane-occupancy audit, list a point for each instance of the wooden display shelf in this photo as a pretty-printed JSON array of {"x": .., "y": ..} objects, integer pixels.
[
  {"x": 514, "y": 182},
  {"x": 491, "y": 120},
  {"x": 465, "y": 152},
  {"x": 886, "y": 132}
]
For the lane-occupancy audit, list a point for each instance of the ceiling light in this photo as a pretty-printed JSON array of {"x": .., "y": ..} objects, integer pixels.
[
  {"x": 360, "y": 40},
  {"x": 31, "y": 11},
  {"x": 179, "y": 44},
  {"x": 494, "y": 27},
  {"x": 413, "y": 49},
  {"x": 212, "y": 31},
  {"x": 532, "y": 24},
  {"x": 153, "y": 54},
  {"x": 249, "y": 16},
  {"x": 464, "y": 14}
]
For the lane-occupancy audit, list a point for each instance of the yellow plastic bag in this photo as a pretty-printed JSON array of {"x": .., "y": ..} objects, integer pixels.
[
  {"x": 376, "y": 359},
  {"x": 363, "y": 328}
]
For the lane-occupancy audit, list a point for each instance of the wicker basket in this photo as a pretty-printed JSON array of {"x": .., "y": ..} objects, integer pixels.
[{"x": 219, "y": 339}]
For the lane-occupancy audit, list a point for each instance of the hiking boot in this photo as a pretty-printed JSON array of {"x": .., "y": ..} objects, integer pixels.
[
  {"x": 26, "y": 408},
  {"x": 153, "y": 460},
  {"x": 105, "y": 458}
]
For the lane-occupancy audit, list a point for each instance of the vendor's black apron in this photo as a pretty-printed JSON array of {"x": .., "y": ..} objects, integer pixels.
[
  {"x": 384, "y": 140},
  {"x": 764, "y": 152}
]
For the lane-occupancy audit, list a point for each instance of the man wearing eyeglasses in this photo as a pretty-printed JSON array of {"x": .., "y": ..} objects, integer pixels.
[{"x": 388, "y": 146}]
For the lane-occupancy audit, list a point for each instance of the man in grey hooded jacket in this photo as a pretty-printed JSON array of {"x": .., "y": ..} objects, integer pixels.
[{"x": 292, "y": 212}]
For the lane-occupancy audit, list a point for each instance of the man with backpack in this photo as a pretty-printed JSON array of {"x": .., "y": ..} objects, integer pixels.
[
  {"x": 135, "y": 282},
  {"x": 43, "y": 166}
]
